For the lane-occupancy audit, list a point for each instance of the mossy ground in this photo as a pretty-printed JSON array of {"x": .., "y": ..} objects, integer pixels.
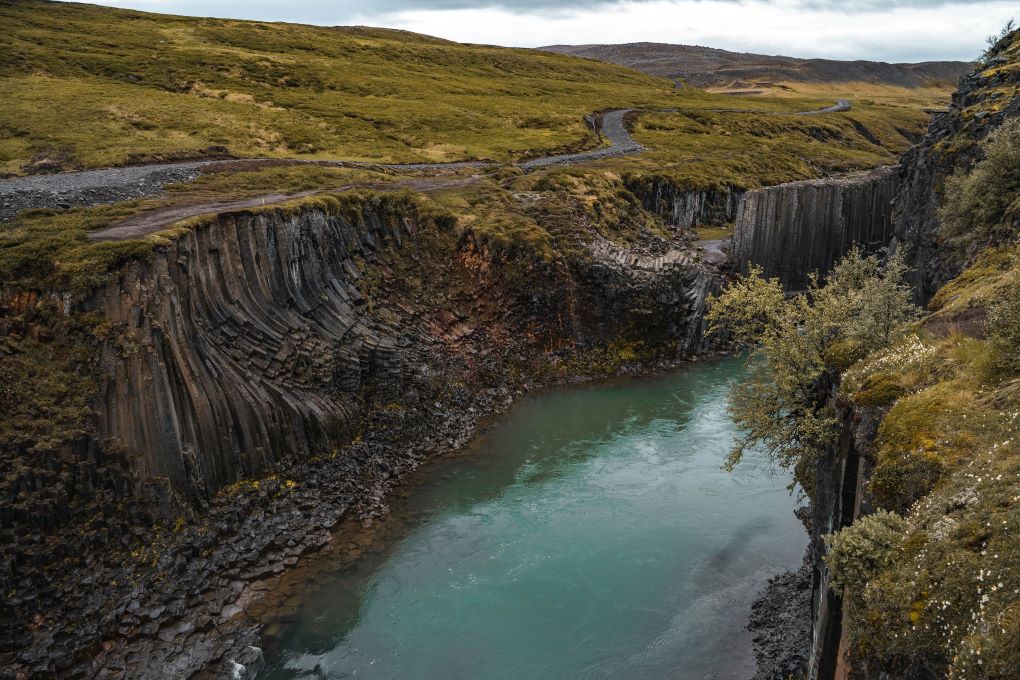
[{"x": 947, "y": 458}]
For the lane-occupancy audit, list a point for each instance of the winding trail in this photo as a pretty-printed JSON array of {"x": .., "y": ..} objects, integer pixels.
[
  {"x": 840, "y": 106},
  {"x": 152, "y": 221},
  {"x": 109, "y": 185}
]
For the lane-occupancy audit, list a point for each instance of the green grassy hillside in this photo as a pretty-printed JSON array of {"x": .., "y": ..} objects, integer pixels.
[
  {"x": 93, "y": 86},
  {"x": 89, "y": 86}
]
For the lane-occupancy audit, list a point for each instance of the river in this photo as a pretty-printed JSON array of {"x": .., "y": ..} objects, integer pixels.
[{"x": 589, "y": 533}]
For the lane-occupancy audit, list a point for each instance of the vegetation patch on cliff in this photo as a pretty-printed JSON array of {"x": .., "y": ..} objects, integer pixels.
[{"x": 935, "y": 586}]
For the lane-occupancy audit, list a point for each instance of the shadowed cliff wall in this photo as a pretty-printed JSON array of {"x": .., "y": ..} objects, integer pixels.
[
  {"x": 793, "y": 229},
  {"x": 249, "y": 345},
  {"x": 687, "y": 208},
  {"x": 951, "y": 145},
  {"x": 250, "y": 341}
]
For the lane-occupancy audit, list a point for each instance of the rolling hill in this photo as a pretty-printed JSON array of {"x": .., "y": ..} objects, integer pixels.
[
  {"x": 706, "y": 66},
  {"x": 89, "y": 86}
]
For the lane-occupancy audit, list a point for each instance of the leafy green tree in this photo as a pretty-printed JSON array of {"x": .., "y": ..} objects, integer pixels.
[{"x": 782, "y": 405}]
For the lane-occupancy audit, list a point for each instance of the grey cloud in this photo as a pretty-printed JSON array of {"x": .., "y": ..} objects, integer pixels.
[{"x": 341, "y": 11}]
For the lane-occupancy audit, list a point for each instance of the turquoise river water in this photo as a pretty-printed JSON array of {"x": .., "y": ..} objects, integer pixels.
[{"x": 588, "y": 534}]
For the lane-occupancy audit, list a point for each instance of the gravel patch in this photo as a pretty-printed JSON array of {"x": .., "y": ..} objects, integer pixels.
[
  {"x": 613, "y": 129},
  {"x": 91, "y": 187}
]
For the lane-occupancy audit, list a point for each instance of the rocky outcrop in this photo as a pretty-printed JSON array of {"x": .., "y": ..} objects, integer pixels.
[
  {"x": 841, "y": 476},
  {"x": 642, "y": 281},
  {"x": 790, "y": 230},
  {"x": 984, "y": 100},
  {"x": 686, "y": 208},
  {"x": 251, "y": 345},
  {"x": 979, "y": 106},
  {"x": 255, "y": 344}
]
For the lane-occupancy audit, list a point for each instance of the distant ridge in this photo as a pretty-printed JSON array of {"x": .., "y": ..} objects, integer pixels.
[{"x": 706, "y": 66}]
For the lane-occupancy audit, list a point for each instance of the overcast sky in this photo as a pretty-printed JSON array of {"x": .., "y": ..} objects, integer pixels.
[{"x": 890, "y": 30}]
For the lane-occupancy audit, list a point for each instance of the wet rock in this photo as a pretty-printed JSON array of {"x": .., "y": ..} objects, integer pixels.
[{"x": 781, "y": 625}]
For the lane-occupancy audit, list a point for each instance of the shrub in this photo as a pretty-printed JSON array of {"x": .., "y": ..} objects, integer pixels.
[
  {"x": 901, "y": 477},
  {"x": 781, "y": 405},
  {"x": 861, "y": 551},
  {"x": 1004, "y": 328},
  {"x": 975, "y": 205},
  {"x": 880, "y": 389}
]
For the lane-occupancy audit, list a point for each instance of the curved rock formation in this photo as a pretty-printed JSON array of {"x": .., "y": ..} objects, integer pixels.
[{"x": 252, "y": 344}]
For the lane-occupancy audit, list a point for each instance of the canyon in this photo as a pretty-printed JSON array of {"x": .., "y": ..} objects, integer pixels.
[
  {"x": 248, "y": 382},
  {"x": 332, "y": 345},
  {"x": 273, "y": 371}
]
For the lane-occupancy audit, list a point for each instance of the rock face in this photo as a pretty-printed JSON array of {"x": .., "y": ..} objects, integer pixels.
[
  {"x": 979, "y": 106},
  {"x": 841, "y": 475},
  {"x": 689, "y": 208},
  {"x": 788, "y": 230},
  {"x": 253, "y": 345},
  {"x": 793, "y": 229},
  {"x": 670, "y": 277}
]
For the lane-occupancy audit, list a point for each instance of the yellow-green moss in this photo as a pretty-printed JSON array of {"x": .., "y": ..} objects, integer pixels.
[{"x": 880, "y": 389}]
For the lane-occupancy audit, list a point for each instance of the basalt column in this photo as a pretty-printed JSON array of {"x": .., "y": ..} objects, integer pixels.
[{"x": 790, "y": 230}]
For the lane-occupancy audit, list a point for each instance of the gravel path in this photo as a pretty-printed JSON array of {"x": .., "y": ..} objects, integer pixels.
[
  {"x": 151, "y": 221},
  {"x": 840, "y": 106},
  {"x": 612, "y": 128},
  {"x": 96, "y": 187},
  {"x": 91, "y": 187}
]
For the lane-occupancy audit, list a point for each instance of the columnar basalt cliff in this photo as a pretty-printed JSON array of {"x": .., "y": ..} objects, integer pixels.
[
  {"x": 687, "y": 208},
  {"x": 793, "y": 229},
  {"x": 268, "y": 372},
  {"x": 253, "y": 345},
  {"x": 789, "y": 230},
  {"x": 841, "y": 476}
]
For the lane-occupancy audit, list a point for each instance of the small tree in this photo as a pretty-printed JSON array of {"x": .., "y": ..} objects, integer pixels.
[
  {"x": 993, "y": 41},
  {"x": 781, "y": 406}
]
